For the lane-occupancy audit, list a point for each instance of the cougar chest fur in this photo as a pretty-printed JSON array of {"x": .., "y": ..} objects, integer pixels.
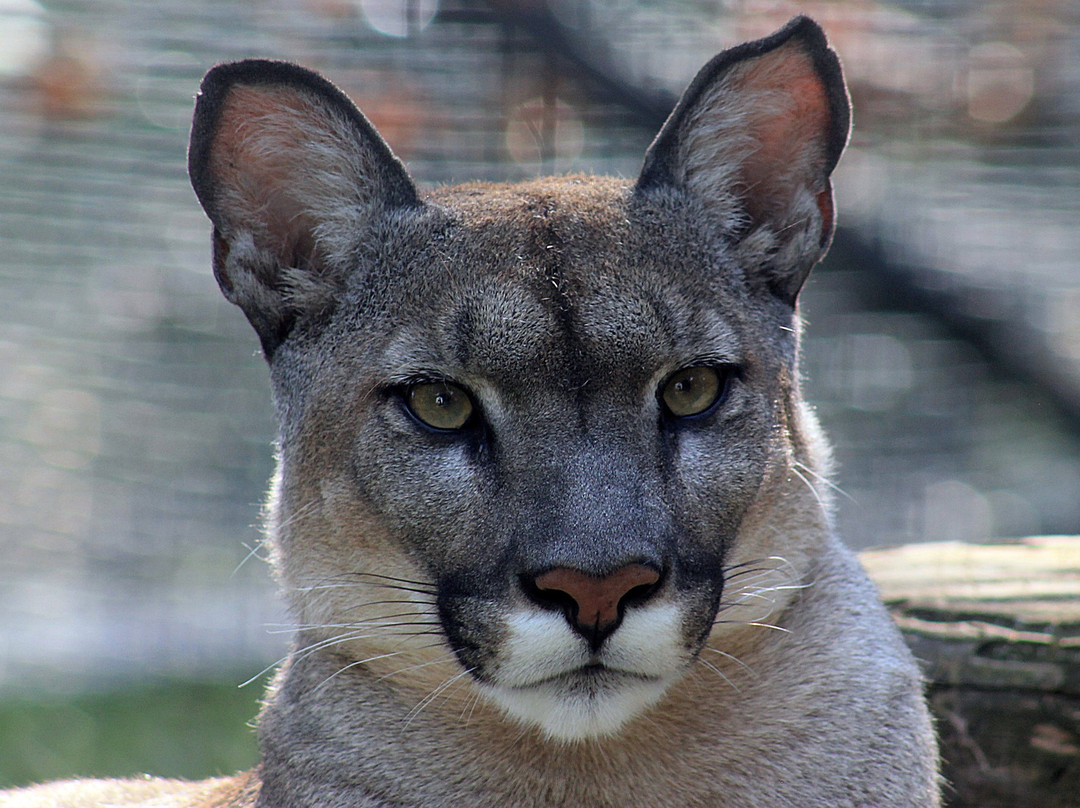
[{"x": 549, "y": 512}]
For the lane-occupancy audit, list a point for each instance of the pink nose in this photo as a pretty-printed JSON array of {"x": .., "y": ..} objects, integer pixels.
[{"x": 595, "y": 601}]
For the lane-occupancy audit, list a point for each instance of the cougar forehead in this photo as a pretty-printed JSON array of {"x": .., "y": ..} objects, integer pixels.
[{"x": 561, "y": 279}]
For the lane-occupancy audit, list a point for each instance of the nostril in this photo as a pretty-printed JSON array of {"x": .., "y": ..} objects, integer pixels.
[
  {"x": 550, "y": 597},
  {"x": 641, "y": 593},
  {"x": 594, "y": 604}
]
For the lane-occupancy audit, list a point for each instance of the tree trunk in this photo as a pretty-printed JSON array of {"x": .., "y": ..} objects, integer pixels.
[{"x": 997, "y": 629}]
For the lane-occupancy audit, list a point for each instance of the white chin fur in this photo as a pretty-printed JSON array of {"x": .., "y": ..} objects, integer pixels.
[{"x": 567, "y": 713}]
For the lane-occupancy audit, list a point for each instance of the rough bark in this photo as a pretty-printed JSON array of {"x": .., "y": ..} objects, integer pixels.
[{"x": 997, "y": 629}]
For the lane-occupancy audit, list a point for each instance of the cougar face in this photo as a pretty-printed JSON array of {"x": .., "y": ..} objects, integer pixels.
[
  {"x": 564, "y": 443},
  {"x": 525, "y": 430},
  {"x": 557, "y": 430}
]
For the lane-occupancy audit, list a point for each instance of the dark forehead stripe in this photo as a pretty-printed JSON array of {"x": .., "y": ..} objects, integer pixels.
[{"x": 547, "y": 246}]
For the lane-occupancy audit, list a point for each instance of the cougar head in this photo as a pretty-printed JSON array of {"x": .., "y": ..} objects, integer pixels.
[{"x": 530, "y": 434}]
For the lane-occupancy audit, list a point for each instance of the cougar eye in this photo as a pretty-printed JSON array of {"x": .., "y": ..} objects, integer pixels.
[
  {"x": 691, "y": 391},
  {"x": 440, "y": 405}
]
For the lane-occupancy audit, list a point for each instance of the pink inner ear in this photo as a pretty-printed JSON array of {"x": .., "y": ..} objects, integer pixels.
[
  {"x": 261, "y": 155},
  {"x": 250, "y": 122},
  {"x": 789, "y": 120},
  {"x": 785, "y": 133}
]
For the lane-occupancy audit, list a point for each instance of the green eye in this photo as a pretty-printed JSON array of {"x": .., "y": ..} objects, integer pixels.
[
  {"x": 440, "y": 405},
  {"x": 691, "y": 391}
]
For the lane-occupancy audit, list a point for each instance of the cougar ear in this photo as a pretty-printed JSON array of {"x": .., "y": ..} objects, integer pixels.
[
  {"x": 288, "y": 170},
  {"x": 755, "y": 138}
]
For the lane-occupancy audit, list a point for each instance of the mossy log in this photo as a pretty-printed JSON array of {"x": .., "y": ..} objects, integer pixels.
[{"x": 997, "y": 629}]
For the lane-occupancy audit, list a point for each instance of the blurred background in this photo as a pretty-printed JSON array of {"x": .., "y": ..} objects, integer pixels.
[{"x": 943, "y": 349}]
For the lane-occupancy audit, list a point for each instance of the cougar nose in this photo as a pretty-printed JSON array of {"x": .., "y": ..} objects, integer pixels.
[{"x": 592, "y": 604}]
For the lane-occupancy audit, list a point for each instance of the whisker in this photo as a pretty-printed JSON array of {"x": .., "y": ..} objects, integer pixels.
[
  {"x": 741, "y": 597},
  {"x": 377, "y": 623},
  {"x": 422, "y": 620},
  {"x": 340, "y": 639},
  {"x": 330, "y": 642},
  {"x": 781, "y": 562},
  {"x": 824, "y": 480},
  {"x": 747, "y": 620},
  {"x": 445, "y": 658},
  {"x": 434, "y": 694},
  {"x": 732, "y": 657},
  {"x": 381, "y": 619},
  {"x": 392, "y": 600},
  {"x": 300, "y": 654},
  {"x": 261, "y": 673},
  {"x": 758, "y": 624},
  {"x": 253, "y": 552},
  {"x": 760, "y": 583},
  {"x": 758, "y": 597},
  {"x": 719, "y": 673},
  {"x": 387, "y": 655},
  {"x": 374, "y": 629},
  {"x": 748, "y": 577},
  {"x": 299, "y": 513},
  {"x": 390, "y": 603},
  {"x": 357, "y": 663},
  {"x": 308, "y": 650},
  {"x": 810, "y": 486},
  {"x": 471, "y": 705},
  {"x": 358, "y": 585},
  {"x": 424, "y": 584}
]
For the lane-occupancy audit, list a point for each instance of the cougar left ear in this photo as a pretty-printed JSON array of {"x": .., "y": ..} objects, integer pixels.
[
  {"x": 755, "y": 138},
  {"x": 290, "y": 173}
]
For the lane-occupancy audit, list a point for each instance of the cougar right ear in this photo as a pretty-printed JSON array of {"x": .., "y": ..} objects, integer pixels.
[
  {"x": 754, "y": 139},
  {"x": 288, "y": 170}
]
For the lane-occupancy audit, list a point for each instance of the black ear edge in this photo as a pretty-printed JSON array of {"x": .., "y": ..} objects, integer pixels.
[
  {"x": 656, "y": 169},
  {"x": 400, "y": 191}
]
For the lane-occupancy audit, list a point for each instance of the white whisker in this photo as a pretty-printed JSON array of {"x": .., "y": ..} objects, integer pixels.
[
  {"x": 430, "y": 697},
  {"x": 445, "y": 658},
  {"x": 253, "y": 552},
  {"x": 824, "y": 480},
  {"x": 770, "y": 625},
  {"x": 471, "y": 706},
  {"x": 357, "y": 663},
  {"x": 732, "y": 657},
  {"x": 813, "y": 490},
  {"x": 719, "y": 673},
  {"x": 299, "y": 514}
]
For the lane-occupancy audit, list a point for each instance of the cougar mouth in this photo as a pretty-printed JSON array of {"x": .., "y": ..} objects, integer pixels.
[{"x": 590, "y": 678}]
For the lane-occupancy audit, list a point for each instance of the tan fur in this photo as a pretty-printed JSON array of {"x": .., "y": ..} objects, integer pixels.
[
  {"x": 231, "y": 792},
  {"x": 753, "y": 665}
]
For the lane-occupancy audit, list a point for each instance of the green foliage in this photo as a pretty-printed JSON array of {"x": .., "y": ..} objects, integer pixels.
[{"x": 181, "y": 729}]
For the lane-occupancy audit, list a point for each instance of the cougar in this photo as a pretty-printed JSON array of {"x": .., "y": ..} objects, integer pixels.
[{"x": 550, "y": 513}]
